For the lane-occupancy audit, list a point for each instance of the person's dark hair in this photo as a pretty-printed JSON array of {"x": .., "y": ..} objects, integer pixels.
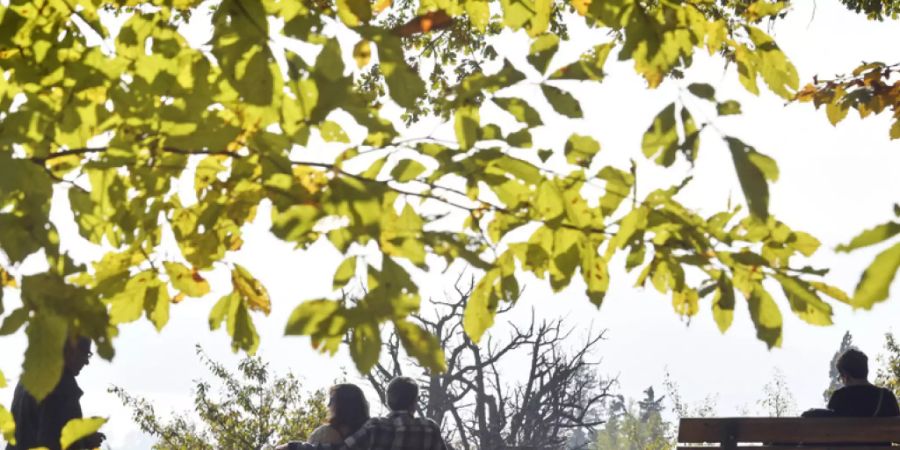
[
  {"x": 402, "y": 394},
  {"x": 853, "y": 363},
  {"x": 77, "y": 344},
  {"x": 348, "y": 409}
]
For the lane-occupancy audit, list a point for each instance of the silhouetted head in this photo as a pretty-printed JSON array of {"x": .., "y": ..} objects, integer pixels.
[
  {"x": 348, "y": 409},
  {"x": 402, "y": 394},
  {"x": 77, "y": 354},
  {"x": 853, "y": 365}
]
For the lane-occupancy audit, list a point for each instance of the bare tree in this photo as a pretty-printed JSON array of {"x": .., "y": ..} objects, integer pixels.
[{"x": 554, "y": 391}]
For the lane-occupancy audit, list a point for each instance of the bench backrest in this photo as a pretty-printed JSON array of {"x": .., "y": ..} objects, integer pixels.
[{"x": 730, "y": 432}]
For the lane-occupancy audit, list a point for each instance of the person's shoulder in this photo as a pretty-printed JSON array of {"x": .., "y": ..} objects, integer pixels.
[
  {"x": 427, "y": 422},
  {"x": 325, "y": 434}
]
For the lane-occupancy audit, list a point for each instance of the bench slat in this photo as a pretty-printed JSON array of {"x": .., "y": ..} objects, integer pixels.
[{"x": 790, "y": 430}]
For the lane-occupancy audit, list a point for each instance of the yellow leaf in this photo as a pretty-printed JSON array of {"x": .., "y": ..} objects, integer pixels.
[
  {"x": 253, "y": 292},
  {"x": 381, "y": 5},
  {"x": 581, "y": 6},
  {"x": 6, "y": 280},
  {"x": 77, "y": 429}
]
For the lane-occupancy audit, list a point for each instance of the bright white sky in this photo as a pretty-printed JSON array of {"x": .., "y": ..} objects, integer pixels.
[{"x": 834, "y": 182}]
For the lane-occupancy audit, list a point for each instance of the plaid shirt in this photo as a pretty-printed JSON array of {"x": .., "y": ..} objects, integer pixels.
[{"x": 398, "y": 431}]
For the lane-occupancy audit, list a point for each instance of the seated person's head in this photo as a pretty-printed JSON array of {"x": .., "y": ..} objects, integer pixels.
[
  {"x": 853, "y": 365},
  {"x": 347, "y": 407},
  {"x": 77, "y": 353},
  {"x": 402, "y": 394}
]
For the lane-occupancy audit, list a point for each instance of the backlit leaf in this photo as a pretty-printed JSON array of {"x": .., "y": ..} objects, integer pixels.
[
  {"x": 407, "y": 169},
  {"x": 77, "y": 429},
  {"x": 344, "y": 273},
  {"x": 871, "y": 236},
  {"x": 421, "y": 345},
  {"x": 751, "y": 176},
  {"x": 7, "y": 426},
  {"x": 766, "y": 316},
  {"x": 186, "y": 280},
  {"x": 580, "y": 150},
  {"x": 365, "y": 346},
  {"x": 562, "y": 101},
  {"x": 875, "y": 282},
  {"x": 251, "y": 289},
  {"x": 43, "y": 365}
]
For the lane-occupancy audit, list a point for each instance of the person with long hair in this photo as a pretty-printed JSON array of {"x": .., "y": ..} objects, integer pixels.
[{"x": 348, "y": 410}]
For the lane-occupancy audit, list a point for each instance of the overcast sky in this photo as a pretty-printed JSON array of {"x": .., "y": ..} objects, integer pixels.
[{"x": 834, "y": 182}]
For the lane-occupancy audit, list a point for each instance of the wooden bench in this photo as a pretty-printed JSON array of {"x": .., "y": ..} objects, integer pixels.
[{"x": 763, "y": 433}]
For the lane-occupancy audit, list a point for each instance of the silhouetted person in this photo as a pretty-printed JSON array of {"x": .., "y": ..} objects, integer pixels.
[
  {"x": 348, "y": 411},
  {"x": 399, "y": 430},
  {"x": 858, "y": 397},
  {"x": 39, "y": 424}
]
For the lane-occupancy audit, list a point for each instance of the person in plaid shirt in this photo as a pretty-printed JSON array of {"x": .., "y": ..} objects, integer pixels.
[{"x": 399, "y": 430}]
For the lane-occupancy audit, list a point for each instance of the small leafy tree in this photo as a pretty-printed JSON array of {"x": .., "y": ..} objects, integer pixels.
[
  {"x": 778, "y": 400},
  {"x": 254, "y": 410},
  {"x": 833, "y": 375},
  {"x": 888, "y": 374},
  {"x": 636, "y": 425}
]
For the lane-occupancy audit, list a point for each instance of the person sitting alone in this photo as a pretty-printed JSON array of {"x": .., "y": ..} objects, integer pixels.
[
  {"x": 858, "y": 397},
  {"x": 348, "y": 411},
  {"x": 399, "y": 430}
]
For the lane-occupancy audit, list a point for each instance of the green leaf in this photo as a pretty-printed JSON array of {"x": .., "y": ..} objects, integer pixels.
[
  {"x": 407, "y": 169},
  {"x": 239, "y": 44},
  {"x": 332, "y": 132},
  {"x": 156, "y": 305},
  {"x": 365, "y": 346},
  {"x": 482, "y": 306},
  {"x": 549, "y": 201},
  {"x": 354, "y": 12},
  {"x": 479, "y": 13},
  {"x": 580, "y": 150},
  {"x": 703, "y": 91},
  {"x": 77, "y": 429},
  {"x": 255, "y": 295},
  {"x": 14, "y": 321},
  {"x": 751, "y": 169},
  {"x": 595, "y": 272},
  {"x": 728, "y": 108},
  {"x": 723, "y": 303},
  {"x": 316, "y": 318},
  {"x": 618, "y": 187},
  {"x": 776, "y": 70},
  {"x": 661, "y": 139},
  {"x": 804, "y": 301},
  {"x": 871, "y": 236},
  {"x": 7, "y": 426},
  {"x": 127, "y": 305},
  {"x": 562, "y": 102},
  {"x": 520, "y": 109},
  {"x": 404, "y": 84},
  {"x": 542, "y": 50},
  {"x": 232, "y": 309},
  {"x": 344, "y": 273},
  {"x": 520, "y": 139},
  {"x": 466, "y": 124},
  {"x": 43, "y": 365},
  {"x": 188, "y": 281},
  {"x": 875, "y": 282},
  {"x": 766, "y": 316},
  {"x": 421, "y": 345}
]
